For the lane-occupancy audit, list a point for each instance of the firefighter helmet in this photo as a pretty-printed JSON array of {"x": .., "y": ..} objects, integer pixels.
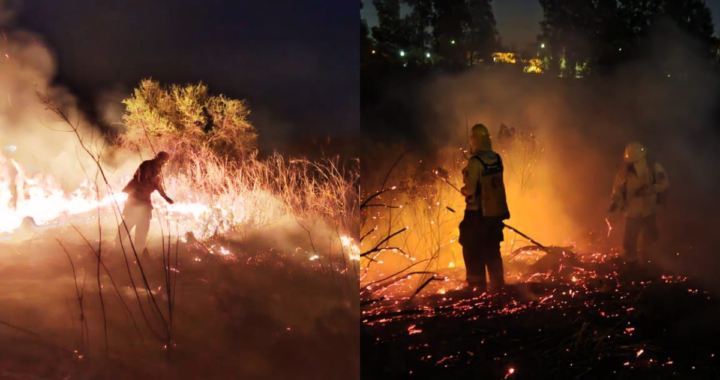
[
  {"x": 480, "y": 138},
  {"x": 635, "y": 152}
]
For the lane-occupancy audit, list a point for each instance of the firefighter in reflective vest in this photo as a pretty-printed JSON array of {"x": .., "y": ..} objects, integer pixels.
[
  {"x": 637, "y": 191},
  {"x": 481, "y": 230}
]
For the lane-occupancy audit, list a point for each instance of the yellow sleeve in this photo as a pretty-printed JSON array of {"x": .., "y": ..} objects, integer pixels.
[
  {"x": 618, "y": 190},
  {"x": 474, "y": 169}
]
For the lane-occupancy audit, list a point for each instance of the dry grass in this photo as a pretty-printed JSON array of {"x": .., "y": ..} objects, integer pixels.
[{"x": 270, "y": 258}]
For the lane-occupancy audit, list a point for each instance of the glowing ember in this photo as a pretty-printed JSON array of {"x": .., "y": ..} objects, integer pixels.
[
  {"x": 42, "y": 199},
  {"x": 412, "y": 330},
  {"x": 609, "y": 227},
  {"x": 510, "y": 372}
]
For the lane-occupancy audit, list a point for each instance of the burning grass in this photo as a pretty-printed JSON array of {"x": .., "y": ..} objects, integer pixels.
[
  {"x": 252, "y": 272},
  {"x": 420, "y": 198},
  {"x": 576, "y": 311}
]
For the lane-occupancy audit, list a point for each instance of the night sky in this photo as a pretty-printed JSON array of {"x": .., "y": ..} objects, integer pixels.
[
  {"x": 518, "y": 21},
  {"x": 296, "y": 62}
]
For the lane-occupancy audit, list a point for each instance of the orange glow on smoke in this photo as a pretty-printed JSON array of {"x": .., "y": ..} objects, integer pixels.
[{"x": 433, "y": 210}]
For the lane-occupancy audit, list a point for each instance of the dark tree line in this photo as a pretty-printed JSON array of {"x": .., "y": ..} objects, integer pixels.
[
  {"x": 578, "y": 37},
  {"x": 455, "y": 33},
  {"x": 592, "y": 35}
]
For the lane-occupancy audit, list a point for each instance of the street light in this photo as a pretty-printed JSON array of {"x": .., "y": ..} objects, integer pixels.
[
  {"x": 452, "y": 42},
  {"x": 542, "y": 46},
  {"x": 427, "y": 55},
  {"x": 402, "y": 53}
]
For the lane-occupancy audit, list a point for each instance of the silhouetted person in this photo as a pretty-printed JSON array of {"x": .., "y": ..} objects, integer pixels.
[
  {"x": 481, "y": 230},
  {"x": 138, "y": 208},
  {"x": 637, "y": 191}
]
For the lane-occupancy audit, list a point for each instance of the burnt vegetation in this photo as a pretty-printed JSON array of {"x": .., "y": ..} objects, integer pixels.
[{"x": 600, "y": 74}]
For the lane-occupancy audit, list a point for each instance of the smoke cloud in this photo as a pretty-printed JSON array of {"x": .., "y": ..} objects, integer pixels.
[
  {"x": 43, "y": 143},
  {"x": 668, "y": 100}
]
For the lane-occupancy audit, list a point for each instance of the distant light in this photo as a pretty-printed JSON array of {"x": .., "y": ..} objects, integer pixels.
[
  {"x": 542, "y": 46},
  {"x": 373, "y": 51},
  {"x": 668, "y": 75},
  {"x": 427, "y": 55},
  {"x": 620, "y": 49},
  {"x": 402, "y": 53},
  {"x": 452, "y": 42}
]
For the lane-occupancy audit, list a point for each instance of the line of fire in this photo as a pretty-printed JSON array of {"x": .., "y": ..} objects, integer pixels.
[
  {"x": 154, "y": 222},
  {"x": 539, "y": 189}
]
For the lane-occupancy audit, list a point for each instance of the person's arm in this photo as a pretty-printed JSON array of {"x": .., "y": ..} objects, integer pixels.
[
  {"x": 160, "y": 189},
  {"x": 661, "y": 179},
  {"x": 473, "y": 176},
  {"x": 157, "y": 183},
  {"x": 618, "y": 191}
]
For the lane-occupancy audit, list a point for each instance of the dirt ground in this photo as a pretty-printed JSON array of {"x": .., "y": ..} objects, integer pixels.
[{"x": 255, "y": 312}]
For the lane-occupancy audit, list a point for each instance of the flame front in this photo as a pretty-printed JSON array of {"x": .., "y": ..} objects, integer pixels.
[{"x": 40, "y": 197}]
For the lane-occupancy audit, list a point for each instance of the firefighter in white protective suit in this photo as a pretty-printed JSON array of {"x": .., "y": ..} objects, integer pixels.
[
  {"x": 481, "y": 230},
  {"x": 638, "y": 189}
]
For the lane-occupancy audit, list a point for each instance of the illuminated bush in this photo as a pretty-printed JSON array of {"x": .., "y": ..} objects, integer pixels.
[{"x": 187, "y": 119}]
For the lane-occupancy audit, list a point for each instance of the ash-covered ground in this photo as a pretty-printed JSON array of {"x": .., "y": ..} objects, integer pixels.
[
  {"x": 241, "y": 308},
  {"x": 588, "y": 316}
]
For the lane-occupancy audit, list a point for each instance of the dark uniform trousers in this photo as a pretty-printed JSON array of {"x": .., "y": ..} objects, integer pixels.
[
  {"x": 635, "y": 227},
  {"x": 480, "y": 238}
]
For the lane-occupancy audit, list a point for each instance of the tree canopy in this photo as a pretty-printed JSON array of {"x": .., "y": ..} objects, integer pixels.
[
  {"x": 578, "y": 37},
  {"x": 187, "y": 119},
  {"x": 581, "y": 36},
  {"x": 454, "y": 33}
]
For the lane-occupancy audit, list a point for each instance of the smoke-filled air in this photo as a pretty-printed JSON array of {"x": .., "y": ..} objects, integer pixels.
[
  {"x": 560, "y": 117},
  {"x": 251, "y": 263}
]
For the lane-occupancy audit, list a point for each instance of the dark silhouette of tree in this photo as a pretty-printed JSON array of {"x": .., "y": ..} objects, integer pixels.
[
  {"x": 481, "y": 35},
  {"x": 366, "y": 43},
  {"x": 582, "y": 36},
  {"x": 576, "y": 33},
  {"x": 454, "y": 33},
  {"x": 391, "y": 34},
  {"x": 419, "y": 24},
  {"x": 451, "y": 16}
]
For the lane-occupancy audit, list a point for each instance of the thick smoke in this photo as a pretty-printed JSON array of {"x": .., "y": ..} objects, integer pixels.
[
  {"x": 110, "y": 108},
  {"x": 43, "y": 142},
  {"x": 668, "y": 100}
]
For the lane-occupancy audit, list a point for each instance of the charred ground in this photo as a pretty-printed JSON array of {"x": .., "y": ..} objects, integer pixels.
[{"x": 603, "y": 320}]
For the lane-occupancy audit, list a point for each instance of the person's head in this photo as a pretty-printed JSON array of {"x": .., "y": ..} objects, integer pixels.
[
  {"x": 480, "y": 138},
  {"x": 162, "y": 157},
  {"x": 634, "y": 153}
]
